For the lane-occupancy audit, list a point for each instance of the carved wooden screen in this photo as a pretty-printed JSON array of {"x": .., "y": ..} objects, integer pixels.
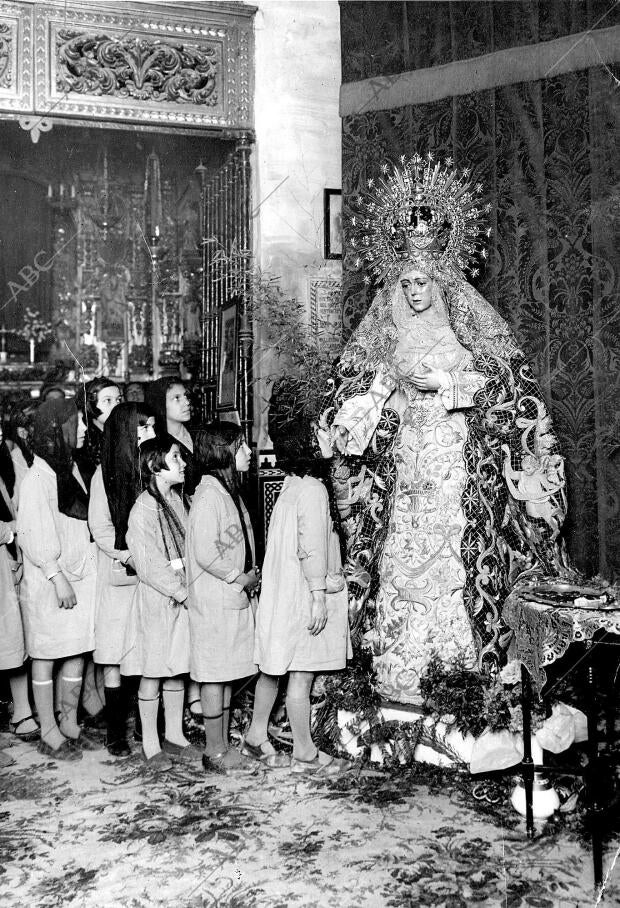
[{"x": 160, "y": 64}]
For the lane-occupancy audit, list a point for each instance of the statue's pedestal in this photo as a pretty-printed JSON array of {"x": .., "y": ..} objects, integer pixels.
[{"x": 439, "y": 743}]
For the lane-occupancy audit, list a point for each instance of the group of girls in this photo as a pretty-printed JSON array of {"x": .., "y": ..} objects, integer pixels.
[{"x": 132, "y": 555}]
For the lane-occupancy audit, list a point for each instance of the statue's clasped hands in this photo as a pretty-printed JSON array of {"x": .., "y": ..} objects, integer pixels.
[
  {"x": 340, "y": 438},
  {"x": 425, "y": 379}
]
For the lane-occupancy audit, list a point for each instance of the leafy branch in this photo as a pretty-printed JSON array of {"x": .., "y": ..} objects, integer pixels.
[{"x": 298, "y": 352}]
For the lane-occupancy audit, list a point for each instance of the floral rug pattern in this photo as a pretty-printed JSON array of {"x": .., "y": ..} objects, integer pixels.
[{"x": 102, "y": 832}]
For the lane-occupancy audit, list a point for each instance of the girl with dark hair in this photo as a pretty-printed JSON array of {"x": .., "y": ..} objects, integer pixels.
[
  {"x": 302, "y": 618},
  {"x": 96, "y": 400},
  {"x": 221, "y": 578},
  {"x": 134, "y": 392},
  {"x": 58, "y": 594},
  {"x": 12, "y": 648},
  {"x": 156, "y": 642},
  {"x": 169, "y": 399},
  {"x": 114, "y": 489},
  {"x": 18, "y": 438}
]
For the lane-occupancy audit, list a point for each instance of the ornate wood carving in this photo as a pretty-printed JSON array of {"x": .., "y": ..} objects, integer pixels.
[
  {"x": 16, "y": 57},
  {"x": 6, "y": 55},
  {"x": 174, "y": 64},
  {"x": 143, "y": 68}
]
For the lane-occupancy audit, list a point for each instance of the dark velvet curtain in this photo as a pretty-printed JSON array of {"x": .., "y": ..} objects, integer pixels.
[
  {"x": 547, "y": 155},
  {"x": 25, "y": 230}
]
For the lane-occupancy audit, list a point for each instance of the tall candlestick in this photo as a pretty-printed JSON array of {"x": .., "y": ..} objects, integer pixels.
[{"x": 152, "y": 196}]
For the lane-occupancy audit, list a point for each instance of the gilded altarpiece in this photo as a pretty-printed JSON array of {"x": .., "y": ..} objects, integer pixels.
[{"x": 114, "y": 84}]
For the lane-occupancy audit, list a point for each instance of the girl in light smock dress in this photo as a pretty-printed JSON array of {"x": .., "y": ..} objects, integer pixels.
[
  {"x": 12, "y": 647},
  {"x": 58, "y": 589},
  {"x": 114, "y": 489},
  {"x": 156, "y": 644},
  {"x": 302, "y": 618},
  {"x": 221, "y": 579},
  {"x": 169, "y": 399}
]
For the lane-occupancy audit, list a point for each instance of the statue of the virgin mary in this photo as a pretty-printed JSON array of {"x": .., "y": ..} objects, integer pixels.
[{"x": 451, "y": 484}]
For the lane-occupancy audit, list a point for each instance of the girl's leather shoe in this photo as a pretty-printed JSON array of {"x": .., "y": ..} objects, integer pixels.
[
  {"x": 119, "y": 748},
  {"x": 159, "y": 762},
  {"x": 66, "y": 751}
]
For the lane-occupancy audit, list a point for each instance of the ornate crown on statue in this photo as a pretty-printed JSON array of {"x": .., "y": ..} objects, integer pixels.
[{"x": 420, "y": 212}]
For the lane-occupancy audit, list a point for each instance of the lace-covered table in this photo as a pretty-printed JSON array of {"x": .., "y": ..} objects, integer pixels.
[{"x": 541, "y": 634}]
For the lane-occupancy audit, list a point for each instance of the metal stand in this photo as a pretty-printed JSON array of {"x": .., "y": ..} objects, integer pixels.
[
  {"x": 527, "y": 764},
  {"x": 591, "y": 772}
]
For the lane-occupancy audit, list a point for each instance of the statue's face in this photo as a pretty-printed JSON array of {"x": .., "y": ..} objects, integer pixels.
[{"x": 418, "y": 290}]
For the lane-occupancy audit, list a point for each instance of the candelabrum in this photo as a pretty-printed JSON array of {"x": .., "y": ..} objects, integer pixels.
[
  {"x": 156, "y": 253},
  {"x": 62, "y": 196}
]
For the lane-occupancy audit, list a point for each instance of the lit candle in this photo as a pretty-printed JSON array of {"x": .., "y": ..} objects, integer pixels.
[
  {"x": 153, "y": 202},
  {"x": 50, "y": 191},
  {"x": 72, "y": 190},
  {"x": 61, "y": 191}
]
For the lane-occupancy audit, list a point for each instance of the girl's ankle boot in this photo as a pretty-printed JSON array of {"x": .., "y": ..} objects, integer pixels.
[{"x": 116, "y": 711}]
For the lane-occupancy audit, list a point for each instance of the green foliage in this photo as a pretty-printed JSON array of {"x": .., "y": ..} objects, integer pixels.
[
  {"x": 354, "y": 688},
  {"x": 471, "y": 701},
  {"x": 297, "y": 350},
  {"x": 281, "y": 323},
  {"x": 468, "y": 701}
]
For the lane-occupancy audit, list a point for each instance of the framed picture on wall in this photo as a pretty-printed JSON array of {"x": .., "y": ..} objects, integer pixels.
[
  {"x": 227, "y": 372},
  {"x": 326, "y": 313},
  {"x": 332, "y": 215}
]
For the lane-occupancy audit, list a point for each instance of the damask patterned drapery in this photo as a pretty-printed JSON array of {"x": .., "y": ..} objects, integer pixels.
[{"x": 546, "y": 153}]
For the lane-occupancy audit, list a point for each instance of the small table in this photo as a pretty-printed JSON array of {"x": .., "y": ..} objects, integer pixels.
[{"x": 542, "y": 634}]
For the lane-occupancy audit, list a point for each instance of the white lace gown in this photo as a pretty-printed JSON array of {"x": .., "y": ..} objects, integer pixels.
[{"x": 420, "y": 606}]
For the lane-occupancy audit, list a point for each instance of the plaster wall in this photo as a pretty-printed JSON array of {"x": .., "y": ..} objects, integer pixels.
[{"x": 298, "y": 149}]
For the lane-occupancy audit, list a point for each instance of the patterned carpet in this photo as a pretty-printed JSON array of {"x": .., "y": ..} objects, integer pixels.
[{"x": 102, "y": 833}]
